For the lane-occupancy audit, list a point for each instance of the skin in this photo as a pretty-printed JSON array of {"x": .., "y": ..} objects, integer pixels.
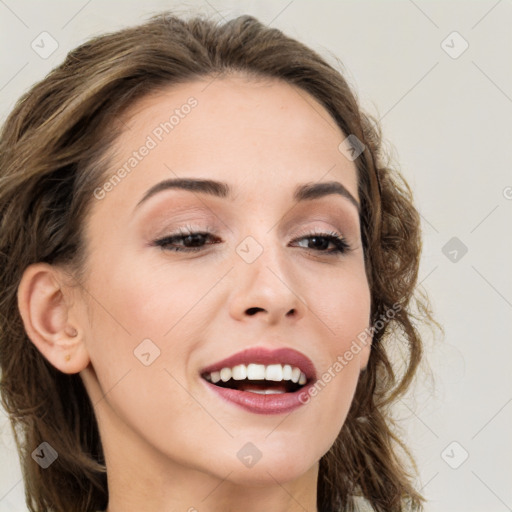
[{"x": 170, "y": 443}]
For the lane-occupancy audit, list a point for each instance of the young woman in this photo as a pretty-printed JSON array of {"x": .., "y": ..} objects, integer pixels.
[{"x": 205, "y": 265}]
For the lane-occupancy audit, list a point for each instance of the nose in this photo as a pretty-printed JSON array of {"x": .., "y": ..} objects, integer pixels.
[{"x": 266, "y": 290}]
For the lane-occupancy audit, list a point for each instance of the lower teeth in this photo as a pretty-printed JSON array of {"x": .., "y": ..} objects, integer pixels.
[{"x": 264, "y": 391}]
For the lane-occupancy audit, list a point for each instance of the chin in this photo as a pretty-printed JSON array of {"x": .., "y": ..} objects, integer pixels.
[
  {"x": 270, "y": 472},
  {"x": 254, "y": 467}
]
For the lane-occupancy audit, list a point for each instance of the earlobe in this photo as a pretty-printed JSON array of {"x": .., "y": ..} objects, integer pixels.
[{"x": 47, "y": 316}]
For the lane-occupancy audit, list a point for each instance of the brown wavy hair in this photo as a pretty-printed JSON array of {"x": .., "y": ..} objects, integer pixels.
[{"x": 53, "y": 154}]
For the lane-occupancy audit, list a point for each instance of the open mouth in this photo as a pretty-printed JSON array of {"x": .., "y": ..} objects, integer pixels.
[{"x": 258, "y": 378}]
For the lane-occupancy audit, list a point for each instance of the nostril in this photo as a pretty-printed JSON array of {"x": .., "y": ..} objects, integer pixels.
[
  {"x": 291, "y": 312},
  {"x": 253, "y": 311}
]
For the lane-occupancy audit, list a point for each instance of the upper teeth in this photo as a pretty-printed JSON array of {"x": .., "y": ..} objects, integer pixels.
[{"x": 274, "y": 372}]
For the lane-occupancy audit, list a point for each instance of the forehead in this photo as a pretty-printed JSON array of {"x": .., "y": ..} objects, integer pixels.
[{"x": 251, "y": 133}]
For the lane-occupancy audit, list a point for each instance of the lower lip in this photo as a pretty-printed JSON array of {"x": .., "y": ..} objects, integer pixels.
[{"x": 263, "y": 404}]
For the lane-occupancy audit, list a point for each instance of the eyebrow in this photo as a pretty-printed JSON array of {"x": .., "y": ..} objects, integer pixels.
[
  {"x": 316, "y": 190},
  {"x": 304, "y": 192}
]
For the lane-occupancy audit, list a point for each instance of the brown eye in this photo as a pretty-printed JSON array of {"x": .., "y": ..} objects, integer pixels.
[
  {"x": 187, "y": 242},
  {"x": 324, "y": 242},
  {"x": 194, "y": 240}
]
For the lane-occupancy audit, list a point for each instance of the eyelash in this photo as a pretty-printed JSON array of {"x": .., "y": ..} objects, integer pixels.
[{"x": 168, "y": 242}]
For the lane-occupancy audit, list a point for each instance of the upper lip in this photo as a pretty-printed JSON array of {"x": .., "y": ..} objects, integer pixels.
[{"x": 260, "y": 355}]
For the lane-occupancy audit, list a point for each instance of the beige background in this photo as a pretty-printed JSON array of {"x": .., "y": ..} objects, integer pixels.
[{"x": 447, "y": 116}]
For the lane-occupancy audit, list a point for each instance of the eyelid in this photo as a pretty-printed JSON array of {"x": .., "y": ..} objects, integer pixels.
[
  {"x": 328, "y": 230},
  {"x": 184, "y": 229}
]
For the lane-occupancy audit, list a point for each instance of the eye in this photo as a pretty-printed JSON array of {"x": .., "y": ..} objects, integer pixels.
[
  {"x": 187, "y": 241},
  {"x": 329, "y": 243}
]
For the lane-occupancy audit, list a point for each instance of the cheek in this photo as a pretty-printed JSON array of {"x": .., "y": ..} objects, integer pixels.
[
  {"x": 132, "y": 303},
  {"x": 341, "y": 302},
  {"x": 341, "y": 308},
  {"x": 129, "y": 306},
  {"x": 146, "y": 300}
]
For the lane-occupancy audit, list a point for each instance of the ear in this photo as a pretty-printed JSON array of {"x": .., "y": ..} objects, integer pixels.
[{"x": 45, "y": 305}]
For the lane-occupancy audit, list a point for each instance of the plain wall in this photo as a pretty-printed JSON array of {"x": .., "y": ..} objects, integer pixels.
[{"x": 446, "y": 115}]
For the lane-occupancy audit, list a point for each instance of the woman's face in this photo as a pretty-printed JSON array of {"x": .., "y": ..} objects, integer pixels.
[{"x": 268, "y": 258}]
